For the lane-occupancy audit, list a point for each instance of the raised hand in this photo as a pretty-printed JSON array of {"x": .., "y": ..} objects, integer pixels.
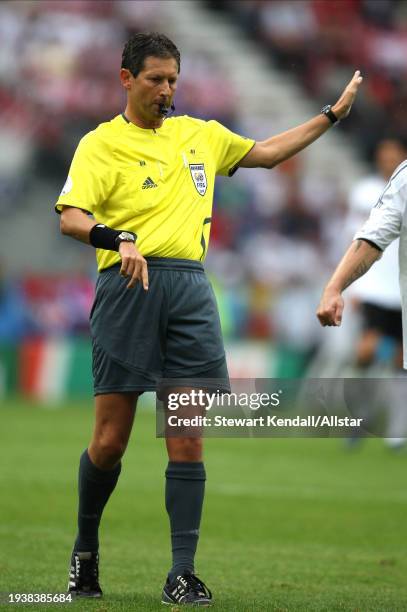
[{"x": 344, "y": 104}]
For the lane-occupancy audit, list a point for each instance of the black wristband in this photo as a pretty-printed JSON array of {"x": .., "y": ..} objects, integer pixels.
[{"x": 103, "y": 237}]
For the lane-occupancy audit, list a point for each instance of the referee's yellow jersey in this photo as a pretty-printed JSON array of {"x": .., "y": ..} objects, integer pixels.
[{"x": 157, "y": 183}]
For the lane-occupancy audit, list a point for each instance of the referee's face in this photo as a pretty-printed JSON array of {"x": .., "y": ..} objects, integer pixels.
[{"x": 155, "y": 85}]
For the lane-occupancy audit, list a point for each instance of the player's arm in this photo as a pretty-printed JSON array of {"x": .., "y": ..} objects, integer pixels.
[
  {"x": 268, "y": 153},
  {"x": 77, "y": 224},
  {"x": 356, "y": 262}
]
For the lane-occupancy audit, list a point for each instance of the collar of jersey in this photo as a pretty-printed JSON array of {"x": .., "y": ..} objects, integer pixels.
[{"x": 138, "y": 128}]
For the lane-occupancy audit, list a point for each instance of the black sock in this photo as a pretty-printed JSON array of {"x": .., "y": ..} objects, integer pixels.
[
  {"x": 95, "y": 488},
  {"x": 184, "y": 495}
]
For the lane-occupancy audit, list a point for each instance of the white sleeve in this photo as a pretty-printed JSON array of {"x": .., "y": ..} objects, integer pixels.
[{"x": 386, "y": 217}]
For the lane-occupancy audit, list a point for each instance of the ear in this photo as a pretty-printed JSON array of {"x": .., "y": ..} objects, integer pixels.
[{"x": 125, "y": 78}]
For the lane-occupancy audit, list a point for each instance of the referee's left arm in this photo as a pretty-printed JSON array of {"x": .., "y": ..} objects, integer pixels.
[{"x": 271, "y": 152}]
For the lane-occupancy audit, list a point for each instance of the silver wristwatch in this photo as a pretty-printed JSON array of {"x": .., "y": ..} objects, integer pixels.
[{"x": 125, "y": 237}]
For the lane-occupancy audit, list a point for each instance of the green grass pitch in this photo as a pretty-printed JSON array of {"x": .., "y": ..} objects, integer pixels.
[{"x": 289, "y": 524}]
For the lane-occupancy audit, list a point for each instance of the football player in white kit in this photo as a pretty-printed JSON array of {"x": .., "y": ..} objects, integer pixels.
[{"x": 378, "y": 293}]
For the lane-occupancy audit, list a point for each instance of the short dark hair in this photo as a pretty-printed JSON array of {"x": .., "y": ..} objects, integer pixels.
[{"x": 146, "y": 44}]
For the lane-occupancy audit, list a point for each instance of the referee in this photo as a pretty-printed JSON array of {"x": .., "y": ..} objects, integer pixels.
[{"x": 140, "y": 190}]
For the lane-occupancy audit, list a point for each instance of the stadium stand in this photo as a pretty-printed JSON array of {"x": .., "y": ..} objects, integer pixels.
[{"x": 274, "y": 233}]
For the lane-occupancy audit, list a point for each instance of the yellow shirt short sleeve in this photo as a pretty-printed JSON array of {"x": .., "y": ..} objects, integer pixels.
[
  {"x": 88, "y": 182},
  {"x": 227, "y": 148}
]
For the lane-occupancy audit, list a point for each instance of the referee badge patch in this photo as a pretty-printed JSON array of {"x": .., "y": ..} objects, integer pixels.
[
  {"x": 199, "y": 177},
  {"x": 67, "y": 187}
]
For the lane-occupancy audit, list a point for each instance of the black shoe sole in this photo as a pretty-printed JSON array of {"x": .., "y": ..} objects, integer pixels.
[
  {"x": 204, "y": 603},
  {"x": 84, "y": 595}
]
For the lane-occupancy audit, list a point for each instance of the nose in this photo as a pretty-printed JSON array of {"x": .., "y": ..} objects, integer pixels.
[{"x": 166, "y": 91}]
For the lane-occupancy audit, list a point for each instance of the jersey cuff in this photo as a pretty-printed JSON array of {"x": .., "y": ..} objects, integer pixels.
[
  {"x": 59, "y": 210},
  {"x": 372, "y": 244},
  {"x": 237, "y": 164}
]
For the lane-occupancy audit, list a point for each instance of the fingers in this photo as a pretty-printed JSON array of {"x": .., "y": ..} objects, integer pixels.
[
  {"x": 330, "y": 313},
  {"x": 355, "y": 82},
  {"x": 144, "y": 275},
  {"x": 344, "y": 104},
  {"x": 327, "y": 319},
  {"x": 134, "y": 266},
  {"x": 357, "y": 77},
  {"x": 140, "y": 273},
  {"x": 338, "y": 314}
]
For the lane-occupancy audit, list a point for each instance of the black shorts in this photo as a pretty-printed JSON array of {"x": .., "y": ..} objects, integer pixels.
[
  {"x": 387, "y": 321},
  {"x": 172, "y": 331}
]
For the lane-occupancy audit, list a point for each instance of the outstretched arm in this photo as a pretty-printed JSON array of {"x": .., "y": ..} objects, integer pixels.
[
  {"x": 356, "y": 262},
  {"x": 268, "y": 153}
]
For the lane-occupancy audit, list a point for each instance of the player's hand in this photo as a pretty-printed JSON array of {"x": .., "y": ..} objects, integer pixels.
[
  {"x": 133, "y": 265},
  {"x": 330, "y": 308},
  {"x": 344, "y": 104}
]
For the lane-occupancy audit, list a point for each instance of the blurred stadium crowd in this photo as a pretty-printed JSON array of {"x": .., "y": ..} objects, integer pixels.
[
  {"x": 274, "y": 236},
  {"x": 321, "y": 42}
]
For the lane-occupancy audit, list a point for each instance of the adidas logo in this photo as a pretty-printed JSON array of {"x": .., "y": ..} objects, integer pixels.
[{"x": 148, "y": 183}]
